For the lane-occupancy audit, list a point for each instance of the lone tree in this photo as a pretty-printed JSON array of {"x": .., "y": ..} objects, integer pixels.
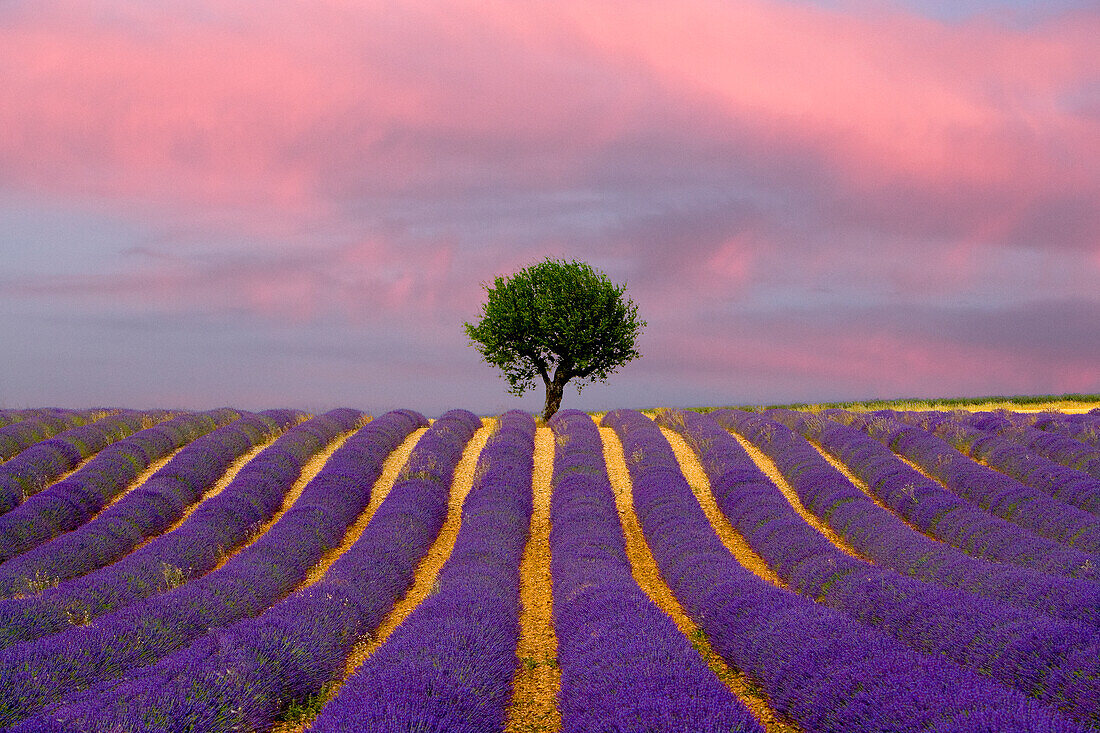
[{"x": 559, "y": 321}]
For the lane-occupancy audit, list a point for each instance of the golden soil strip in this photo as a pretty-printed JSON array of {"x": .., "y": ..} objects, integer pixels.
[
  {"x": 428, "y": 570},
  {"x": 769, "y": 469},
  {"x": 535, "y": 688},
  {"x": 644, "y": 568},
  {"x": 700, "y": 486},
  {"x": 390, "y": 467},
  {"x": 312, "y": 467}
]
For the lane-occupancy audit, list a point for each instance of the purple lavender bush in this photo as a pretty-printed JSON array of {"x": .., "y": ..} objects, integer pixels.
[
  {"x": 40, "y": 672},
  {"x": 880, "y": 535},
  {"x": 625, "y": 666},
  {"x": 1049, "y": 444},
  {"x": 1082, "y": 428},
  {"x": 1036, "y": 654},
  {"x": 924, "y": 503},
  {"x": 819, "y": 667},
  {"x": 216, "y": 527},
  {"x": 146, "y": 511},
  {"x": 1065, "y": 484},
  {"x": 74, "y": 500},
  {"x": 48, "y": 458},
  {"x": 449, "y": 665},
  {"x": 996, "y": 493},
  {"x": 20, "y": 435},
  {"x": 238, "y": 677}
]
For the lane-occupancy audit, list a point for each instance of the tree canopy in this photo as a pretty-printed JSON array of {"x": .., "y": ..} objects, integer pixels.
[{"x": 556, "y": 321}]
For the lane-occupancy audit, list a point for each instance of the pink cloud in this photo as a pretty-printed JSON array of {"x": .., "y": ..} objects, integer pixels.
[
  {"x": 281, "y": 110},
  {"x": 717, "y": 145},
  {"x": 889, "y": 94}
]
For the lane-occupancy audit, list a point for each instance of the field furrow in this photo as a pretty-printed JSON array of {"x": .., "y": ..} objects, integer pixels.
[{"x": 537, "y": 681}]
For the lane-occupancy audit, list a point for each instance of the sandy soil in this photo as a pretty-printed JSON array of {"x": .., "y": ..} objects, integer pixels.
[{"x": 534, "y": 707}]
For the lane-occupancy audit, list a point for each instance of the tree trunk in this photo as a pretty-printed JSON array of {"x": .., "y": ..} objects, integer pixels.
[{"x": 553, "y": 398}]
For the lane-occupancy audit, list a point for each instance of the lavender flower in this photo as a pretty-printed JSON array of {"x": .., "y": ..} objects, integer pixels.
[
  {"x": 1036, "y": 654},
  {"x": 625, "y": 666},
  {"x": 71, "y": 502},
  {"x": 819, "y": 667},
  {"x": 145, "y": 512}
]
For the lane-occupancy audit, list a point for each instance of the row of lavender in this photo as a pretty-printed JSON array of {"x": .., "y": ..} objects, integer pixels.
[
  {"x": 915, "y": 525},
  {"x": 1031, "y": 509},
  {"x": 820, "y": 667},
  {"x": 147, "y": 510},
  {"x": 586, "y": 526},
  {"x": 39, "y": 450},
  {"x": 138, "y": 623},
  {"x": 240, "y": 673},
  {"x": 22, "y": 430},
  {"x": 75, "y": 499},
  {"x": 1054, "y": 660}
]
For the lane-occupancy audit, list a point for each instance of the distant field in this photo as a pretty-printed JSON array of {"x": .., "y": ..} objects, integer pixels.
[
  {"x": 1069, "y": 403},
  {"x": 933, "y": 566}
]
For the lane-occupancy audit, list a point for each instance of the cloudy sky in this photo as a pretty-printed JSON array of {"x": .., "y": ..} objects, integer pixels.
[{"x": 296, "y": 202}]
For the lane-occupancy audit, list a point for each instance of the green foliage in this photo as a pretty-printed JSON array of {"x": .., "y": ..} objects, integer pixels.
[
  {"x": 556, "y": 321},
  {"x": 304, "y": 710}
]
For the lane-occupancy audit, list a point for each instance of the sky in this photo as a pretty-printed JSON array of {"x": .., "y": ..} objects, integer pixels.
[{"x": 299, "y": 203}]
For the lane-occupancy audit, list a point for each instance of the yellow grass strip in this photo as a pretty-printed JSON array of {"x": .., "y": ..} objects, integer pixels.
[
  {"x": 535, "y": 687},
  {"x": 644, "y": 568},
  {"x": 390, "y": 467},
  {"x": 769, "y": 469},
  {"x": 312, "y": 467},
  {"x": 426, "y": 572},
  {"x": 700, "y": 486}
]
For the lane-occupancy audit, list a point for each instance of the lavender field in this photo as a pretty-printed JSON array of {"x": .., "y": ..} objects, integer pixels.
[{"x": 776, "y": 570}]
